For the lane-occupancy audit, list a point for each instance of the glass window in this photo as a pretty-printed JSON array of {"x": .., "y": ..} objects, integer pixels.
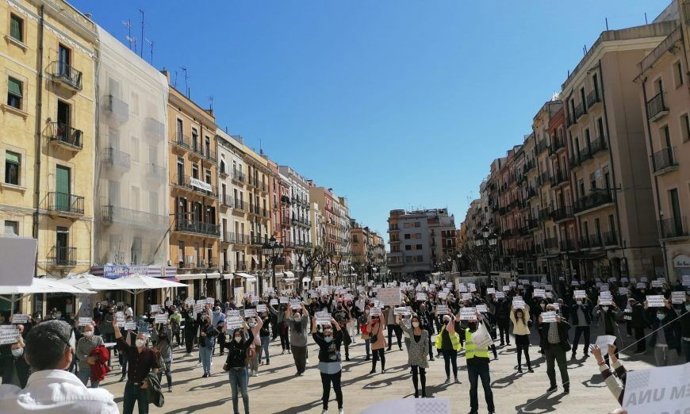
[
  {"x": 14, "y": 93},
  {"x": 16, "y": 27},
  {"x": 12, "y": 167},
  {"x": 11, "y": 228}
]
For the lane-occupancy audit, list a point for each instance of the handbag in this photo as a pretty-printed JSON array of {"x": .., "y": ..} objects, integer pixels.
[{"x": 481, "y": 337}]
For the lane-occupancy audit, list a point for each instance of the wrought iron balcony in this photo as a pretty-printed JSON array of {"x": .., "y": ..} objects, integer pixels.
[
  {"x": 194, "y": 226},
  {"x": 551, "y": 243},
  {"x": 595, "y": 240},
  {"x": 66, "y": 75},
  {"x": 610, "y": 238},
  {"x": 556, "y": 144},
  {"x": 593, "y": 98},
  {"x": 562, "y": 213},
  {"x": 114, "y": 214},
  {"x": 62, "y": 256},
  {"x": 64, "y": 135},
  {"x": 238, "y": 177},
  {"x": 674, "y": 227},
  {"x": 559, "y": 177},
  {"x": 567, "y": 245},
  {"x": 596, "y": 198},
  {"x": 664, "y": 160},
  {"x": 65, "y": 204},
  {"x": 117, "y": 160},
  {"x": 237, "y": 238},
  {"x": 656, "y": 107},
  {"x": 181, "y": 141},
  {"x": 579, "y": 111},
  {"x": 196, "y": 185}
]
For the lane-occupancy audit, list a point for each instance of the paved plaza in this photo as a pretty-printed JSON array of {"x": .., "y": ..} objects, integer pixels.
[{"x": 277, "y": 390}]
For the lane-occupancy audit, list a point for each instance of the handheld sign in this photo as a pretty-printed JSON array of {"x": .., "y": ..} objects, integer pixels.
[
  {"x": 421, "y": 296},
  {"x": 283, "y": 299},
  {"x": 655, "y": 301},
  {"x": 273, "y": 302},
  {"x": 161, "y": 318},
  {"x": 199, "y": 302},
  {"x": 686, "y": 280},
  {"x": 579, "y": 294},
  {"x": 9, "y": 334},
  {"x": 548, "y": 317},
  {"x": 120, "y": 319},
  {"x": 155, "y": 308},
  {"x": 402, "y": 311},
  {"x": 500, "y": 295},
  {"x": 210, "y": 301},
  {"x": 442, "y": 309},
  {"x": 605, "y": 301},
  {"x": 657, "y": 390},
  {"x": 130, "y": 326},
  {"x": 490, "y": 291},
  {"x": 85, "y": 320},
  {"x": 323, "y": 318},
  {"x": 641, "y": 285},
  {"x": 505, "y": 288},
  {"x": 389, "y": 296},
  {"x": 603, "y": 342},
  {"x": 375, "y": 312},
  {"x": 677, "y": 298},
  {"x": 233, "y": 313},
  {"x": 518, "y": 304},
  {"x": 295, "y": 304},
  {"x": 539, "y": 293},
  {"x": 622, "y": 290},
  {"x": 468, "y": 314},
  {"x": 482, "y": 308},
  {"x": 189, "y": 301},
  {"x": 18, "y": 318},
  {"x": 250, "y": 313},
  {"x": 261, "y": 308},
  {"x": 466, "y": 296},
  {"x": 233, "y": 323}
]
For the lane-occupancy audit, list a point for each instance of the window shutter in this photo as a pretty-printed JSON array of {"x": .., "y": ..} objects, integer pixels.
[
  {"x": 14, "y": 87},
  {"x": 15, "y": 28}
]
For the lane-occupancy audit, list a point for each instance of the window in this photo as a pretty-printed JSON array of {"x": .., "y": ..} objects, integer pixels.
[
  {"x": 11, "y": 228},
  {"x": 678, "y": 74},
  {"x": 407, "y": 236},
  {"x": 14, "y": 92},
  {"x": 419, "y": 247},
  {"x": 408, "y": 247},
  {"x": 12, "y": 167},
  {"x": 417, "y": 224},
  {"x": 685, "y": 127},
  {"x": 16, "y": 28}
]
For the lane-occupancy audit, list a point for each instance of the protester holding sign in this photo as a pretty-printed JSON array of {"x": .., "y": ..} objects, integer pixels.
[
  {"x": 417, "y": 352},
  {"x": 554, "y": 339},
  {"x": 448, "y": 343},
  {"x": 581, "y": 318},
  {"x": 665, "y": 337},
  {"x": 521, "y": 321},
  {"x": 236, "y": 366},
  {"x": 684, "y": 322},
  {"x": 87, "y": 343},
  {"x": 615, "y": 381},
  {"x": 207, "y": 341},
  {"x": 477, "y": 358},
  {"x": 298, "y": 324},
  {"x": 376, "y": 339},
  {"x": 329, "y": 361}
]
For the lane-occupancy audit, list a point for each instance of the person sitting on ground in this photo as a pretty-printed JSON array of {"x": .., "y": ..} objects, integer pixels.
[{"x": 49, "y": 351}]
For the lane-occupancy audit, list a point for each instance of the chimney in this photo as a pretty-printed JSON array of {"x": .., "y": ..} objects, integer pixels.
[{"x": 166, "y": 73}]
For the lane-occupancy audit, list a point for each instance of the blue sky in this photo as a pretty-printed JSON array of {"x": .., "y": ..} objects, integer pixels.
[{"x": 393, "y": 103}]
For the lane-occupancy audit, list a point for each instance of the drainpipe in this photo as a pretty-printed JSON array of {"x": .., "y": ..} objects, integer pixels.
[
  {"x": 37, "y": 139},
  {"x": 656, "y": 180},
  {"x": 613, "y": 170}
]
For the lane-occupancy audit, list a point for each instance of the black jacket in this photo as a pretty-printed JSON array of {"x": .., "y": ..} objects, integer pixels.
[
  {"x": 562, "y": 336},
  {"x": 329, "y": 351},
  {"x": 237, "y": 352}
]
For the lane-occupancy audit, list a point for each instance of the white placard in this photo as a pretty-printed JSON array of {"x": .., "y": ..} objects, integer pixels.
[
  {"x": 468, "y": 314},
  {"x": 375, "y": 312},
  {"x": 655, "y": 301},
  {"x": 500, "y": 295},
  {"x": 17, "y": 255},
  {"x": 442, "y": 309},
  {"x": 603, "y": 342},
  {"x": 505, "y": 288},
  {"x": 273, "y": 302},
  {"x": 210, "y": 301},
  {"x": 548, "y": 317},
  {"x": 189, "y": 301},
  {"x": 622, "y": 290},
  {"x": 539, "y": 293},
  {"x": 120, "y": 319},
  {"x": 442, "y": 295},
  {"x": 201, "y": 301},
  {"x": 548, "y": 288},
  {"x": 644, "y": 279},
  {"x": 295, "y": 304},
  {"x": 556, "y": 305},
  {"x": 421, "y": 296},
  {"x": 657, "y": 283},
  {"x": 402, "y": 310},
  {"x": 284, "y": 299},
  {"x": 85, "y": 320},
  {"x": 605, "y": 301},
  {"x": 512, "y": 284},
  {"x": 678, "y": 298},
  {"x": 168, "y": 303},
  {"x": 9, "y": 334},
  {"x": 323, "y": 318},
  {"x": 161, "y": 318},
  {"x": 360, "y": 304},
  {"x": 234, "y": 322},
  {"x": 657, "y": 390},
  {"x": 518, "y": 304},
  {"x": 250, "y": 313},
  {"x": 490, "y": 291},
  {"x": 233, "y": 313},
  {"x": 462, "y": 288},
  {"x": 466, "y": 297},
  {"x": 579, "y": 294},
  {"x": 18, "y": 318},
  {"x": 261, "y": 308},
  {"x": 155, "y": 308},
  {"x": 130, "y": 326},
  {"x": 481, "y": 308},
  {"x": 389, "y": 296},
  {"x": 574, "y": 283},
  {"x": 641, "y": 285},
  {"x": 686, "y": 280}
]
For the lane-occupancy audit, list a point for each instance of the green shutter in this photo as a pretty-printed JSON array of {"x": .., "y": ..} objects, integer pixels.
[
  {"x": 16, "y": 28},
  {"x": 12, "y": 157},
  {"x": 14, "y": 87}
]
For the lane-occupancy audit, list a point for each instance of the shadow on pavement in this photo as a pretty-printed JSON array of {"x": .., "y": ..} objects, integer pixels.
[{"x": 541, "y": 404}]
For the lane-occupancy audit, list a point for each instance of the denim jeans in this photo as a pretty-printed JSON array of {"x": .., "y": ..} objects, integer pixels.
[
  {"x": 265, "y": 341},
  {"x": 205, "y": 355},
  {"x": 367, "y": 347},
  {"x": 85, "y": 375},
  {"x": 476, "y": 370},
  {"x": 135, "y": 394},
  {"x": 238, "y": 382}
]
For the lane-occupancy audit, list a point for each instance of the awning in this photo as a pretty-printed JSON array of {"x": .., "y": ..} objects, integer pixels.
[
  {"x": 198, "y": 276},
  {"x": 247, "y": 277},
  {"x": 288, "y": 274},
  {"x": 288, "y": 279},
  {"x": 316, "y": 279},
  {"x": 229, "y": 276},
  {"x": 308, "y": 279}
]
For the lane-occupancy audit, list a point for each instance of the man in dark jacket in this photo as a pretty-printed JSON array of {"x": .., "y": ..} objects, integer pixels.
[
  {"x": 638, "y": 323},
  {"x": 503, "y": 320},
  {"x": 554, "y": 339},
  {"x": 581, "y": 318},
  {"x": 666, "y": 336}
]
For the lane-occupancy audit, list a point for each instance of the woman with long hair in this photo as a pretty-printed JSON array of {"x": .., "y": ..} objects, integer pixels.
[
  {"x": 417, "y": 352},
  {"x": 236, "y": 366},
  {"x": 521, "y": 319},
  {"x": 329, "y": 341},
  {"x": 377, "y": 341},
  {"x": 448, "y": 342}
]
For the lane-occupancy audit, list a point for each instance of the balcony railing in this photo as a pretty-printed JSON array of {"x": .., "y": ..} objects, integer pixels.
[
  {"x": 237, "y": 206},
  {"x": 238, "y": 177},
  {"x": 237, "y": 238},
  {"x": 544, "y": 178},
  {"x": 121, "y": 215},
  {"x": 65, "y": 203},
  {"x": 63, "y": 256},
  {"x": 556, "y": 145},
  {"x": 664, "y": 159},
  {"x": 193, "y": 226},
  {"x": 65, "y": 135},
  {"x": 257, "y": 239},
  {"x": 181, "y": 141},
  {"x": 595, "y": 198},
  {"x": 195, "y": 184},
  {"x": 595, "y": 240},
  {"x": 551, "y": 243},
  {"x": 593, "y": 98},
  {"x": 598, "y": 144},
  {"x": 610, "y": 238},
  {"x": 674, "y": 227},
  {"x": 562, "y": 213},
  {"x": 541, "y": 146},
  {"x": 117, "y": 108},
  {"x": 117, "y": 159},
  {"x": 580, "y": 110},
  {"x": 567, "y": 245},
  {"x": 559, "y": 177},
  {"x": 656, "y": 108},
  {"x": 66, "y": 74}
]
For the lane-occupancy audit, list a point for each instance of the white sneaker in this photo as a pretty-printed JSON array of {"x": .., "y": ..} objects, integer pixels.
[
  {"x": 341, "y": 411},
  {"x": 324, "y": 412},
  {"x": 307, "y": 360}
]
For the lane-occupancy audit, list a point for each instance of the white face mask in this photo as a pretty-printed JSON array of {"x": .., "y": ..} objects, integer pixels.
[
  {"x": 88, "y": 334},
  {"x": 415, "y": 324},
  {"x": 17, "y": 352},
  {"x": 140, "y": 343},
  {"x": 238, "y": 339},
  {"x": 605, "y": 308}
]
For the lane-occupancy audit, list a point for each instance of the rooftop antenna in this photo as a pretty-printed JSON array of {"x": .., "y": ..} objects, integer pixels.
[
  {"x": 584, "y": 49},
  {"x": 141, "y": 49},
  {"x": 128, "y": 24},
  {"x": 606, "y": 19},
  {"x": 645, "y": 18},
  {"x": 175, "y": 80},
  {"x": 186, "y": 80},
  {"x": 210, "y": 98},
  {"x": 261, "y": 149},
  {"x": 150, "y": 42}
]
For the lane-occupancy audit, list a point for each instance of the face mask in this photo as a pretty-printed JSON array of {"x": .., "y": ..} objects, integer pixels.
[
  {"x": 17, "y": 352},
  {"x": 238, "y": 339},
  {"x": 542, "y": 305},
  {"x": 140, "y": 343},
  {"x": 252, "y": 324},
  {"x": 88, "y": 334},
  {"x": 328, "y": 339},
  {"x": 579, "y": 302},
  {"x": 297, "y": 317},
  {"x": 415, "y": 324},
  {"x": 661, "y": 316},
  {"x": 605, "y": 308}
]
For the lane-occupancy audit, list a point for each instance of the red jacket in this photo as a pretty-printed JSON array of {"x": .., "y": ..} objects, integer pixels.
[{"x": 100, "y": 368}]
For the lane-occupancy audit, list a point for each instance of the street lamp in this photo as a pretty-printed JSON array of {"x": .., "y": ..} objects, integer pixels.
[
  {"x": 273, "y": 250},
  {"x": 487, "y": 244}
]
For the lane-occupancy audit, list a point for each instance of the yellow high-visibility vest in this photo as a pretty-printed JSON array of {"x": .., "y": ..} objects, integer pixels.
[{"x": 471, "y": 349}]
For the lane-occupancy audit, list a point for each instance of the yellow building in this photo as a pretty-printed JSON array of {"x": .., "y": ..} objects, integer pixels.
[{"x": 47, "y": 125}]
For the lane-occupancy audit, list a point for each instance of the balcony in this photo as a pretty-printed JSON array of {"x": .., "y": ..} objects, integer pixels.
[
  {"x": 541, "y": 146},
  {"x": 551, "y": 243},
  {"x": 556, "y": 145},
  {"x": 301, "y": 222},
  {"x": 559, "y": 177},
  {"x": 673, "y": 227},
  {"x": 597, "y": 145},
  {"x": 593, "y": 98},
  {"x": 154, "y": 130},
  {"x": 116, "y": 108},
  {"x": 180, "y": 142},
  {"x": 567, "y": 245},
  {"x": 529, "y": 165},
  {"x": 237, "y": 207},
  {"x": 533, "y": 224},
  {"x": 119, "y": 215},
  {"x": 596, "y": 198},
  {"x": 257, "y": 240},
  {"x": 562, "y": 213},
  {"x": 544, "y": 178},
  {"x": 117, "y": 160},
  {"x": 531, "y": 192},
  {"x": 579, "y": 111},
  {"x": 225, "y": 200},
  {"x": 197, "y": 227},
  {"x": 62, "y": 256},
  {"x": 66, "y": 75},
  {"x": 656, "y": 108},
  {"x": 237, "y": 238},
  {"x": 65, "y": 136},
  {"x": 664, "y": 161},
  {"x": 238, "y": 177},
  {"x": 610, "y": 238},
  {"x": 155, "y": 173},
  {"x": 595, "y": 241},
  {"x": 196, "y": 185},
  {"x": 64, "y": 204},
  {"x": 196, "y": 149}
]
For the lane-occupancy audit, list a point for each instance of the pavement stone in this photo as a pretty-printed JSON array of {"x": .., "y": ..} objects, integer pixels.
[{"x": 278, "y": 390}]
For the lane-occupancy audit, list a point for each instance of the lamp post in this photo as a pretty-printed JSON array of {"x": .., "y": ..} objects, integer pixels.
[
  {"x": 486, "y": 242},
  {"x": 273, "y": 250}
]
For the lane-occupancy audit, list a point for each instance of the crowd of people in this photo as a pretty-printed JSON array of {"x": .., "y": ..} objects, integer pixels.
[{"x": 428, "y": 320}]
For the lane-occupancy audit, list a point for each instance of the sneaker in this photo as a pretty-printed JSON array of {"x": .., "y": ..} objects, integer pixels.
[
  {"x": 447, "y": 380},
  {"x": 324, "y": 412},
  {"x": 552, "y": 388},
  {"x": 373, "y": 371},
  {"x": 519, "y": 371},
  {"x": 341, "y": 411},
  {"x": 268, "y": 362},
  {"x": 205, "y": 375},
  {"x": 457, "y": 381},
  {"x": 431, "y": 359},
  {"x": 169, "y": 389},
  {"x": 530, "y": 370},
  {"x": 566, "y": 390},
  {"x": 572, "y": 356}
]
